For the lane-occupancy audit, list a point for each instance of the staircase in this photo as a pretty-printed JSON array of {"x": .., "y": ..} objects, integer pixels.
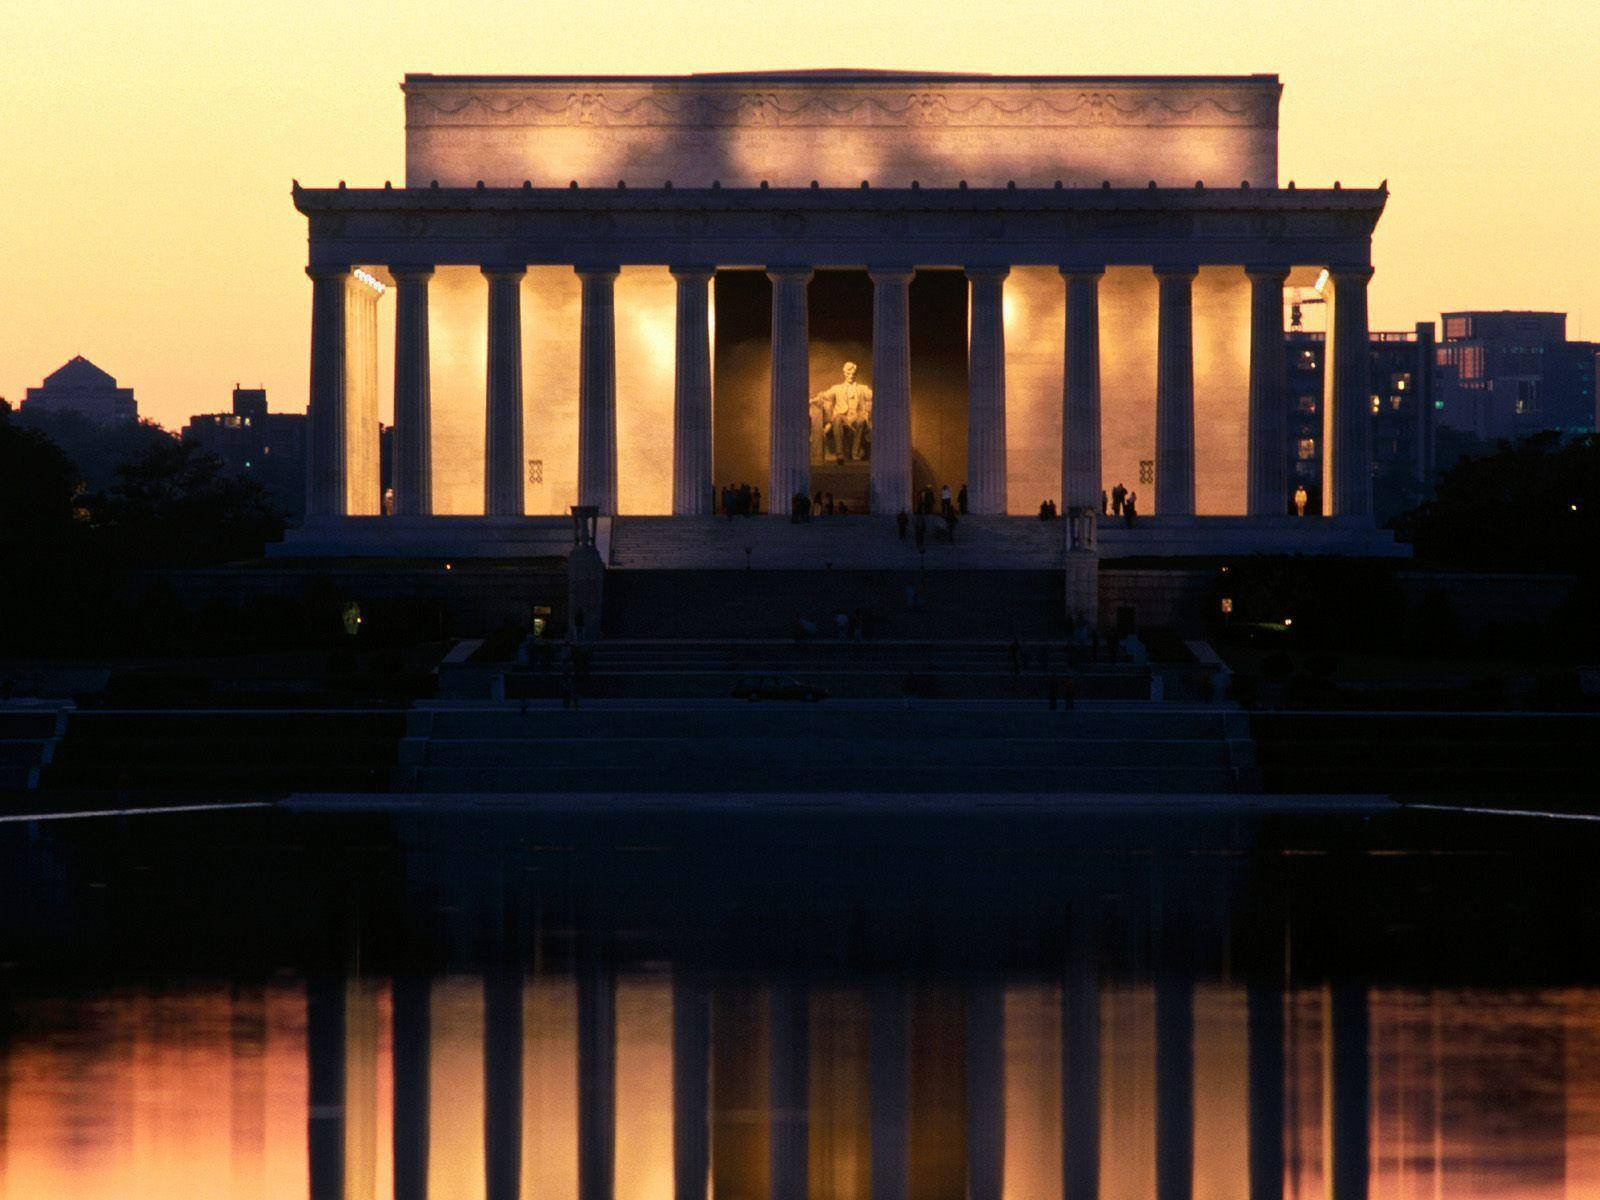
[
  {"x": 28, "y": 737},
  {"x": 708, "y": 670},
  {"x": 738, "y": 749},
  {"x": 769, "y": 543}
]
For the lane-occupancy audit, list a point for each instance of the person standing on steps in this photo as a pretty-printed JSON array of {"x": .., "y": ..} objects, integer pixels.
[{"x": 961, "y": 500}]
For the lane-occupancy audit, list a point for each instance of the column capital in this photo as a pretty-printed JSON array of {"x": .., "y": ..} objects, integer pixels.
[
  {"x": 504, "y": 270},
  {"x": 1177, "y": 272},
  {"x": 1267, "y": 273},
  {"x": 1085, "y": 270},
  {"x": 890, "y": 274},
  {"x": 693, "y": 273},
  {"x": 991, "y": 273},
  {"x": 790, "y": 274},
  {"x": 323, "y": 271},
  {"x": 596, "y": 270},
  {"x": 1350, "y": 271},
  {"x": 410, "y": 272}
]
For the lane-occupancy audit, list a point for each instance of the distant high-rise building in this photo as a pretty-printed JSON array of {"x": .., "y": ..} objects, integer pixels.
[
  {"x": 268, "y": 447},
  {"x": 80, "y": 387},
  {"x": 1514, "y": 373},
  {"x": 1400, "y": 376}
]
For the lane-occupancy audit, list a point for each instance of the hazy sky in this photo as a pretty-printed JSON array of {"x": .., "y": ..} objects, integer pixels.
[{"x": 146, "y": 149}]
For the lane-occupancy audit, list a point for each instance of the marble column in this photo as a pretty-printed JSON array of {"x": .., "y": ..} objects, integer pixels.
[
  {"x": 1347, "y": 398},
  {"x": 1267, "y": 487},
  {"x": 790, "y": 433},
  {"x": 986, "y": 389},
  {"x": 325, "y": 419},
  {"x": 691, "y": 396},
  {"x": 889, "y": 1085},
  {"x": 597, "y": 1079},
  {"x": 891, "y": 389},
  {"x": 789, "y": 1092},
  {"x": 411, "y": 1025},
  {"x": 325, "y": 1054},
  {"x": 1174, "y": 1085},
  {"x": 1265, "y": 1040},
  {"x": 413, "y": 394},
  {"x": 986, "y": 1091},
  {"x": 502, "y": 1083},
  {"x": 1347, "y": 1024},
  {"x": 1080, "y": 400},
  {"x": 691, "y": 1087},
  {"x": 502, "y": 445},
  {"x": 597, "y": 390},
  {"x": 1175, "y": 393}
]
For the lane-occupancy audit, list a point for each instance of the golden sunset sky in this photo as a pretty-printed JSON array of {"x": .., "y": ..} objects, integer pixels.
[{"x": 146, "y": 149}]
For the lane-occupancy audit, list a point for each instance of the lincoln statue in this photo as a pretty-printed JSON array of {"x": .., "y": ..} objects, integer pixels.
[{"x": 841, "y": 420}]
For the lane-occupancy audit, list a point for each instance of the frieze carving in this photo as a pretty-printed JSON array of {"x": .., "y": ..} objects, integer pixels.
[{"x": 821, "y": 105}]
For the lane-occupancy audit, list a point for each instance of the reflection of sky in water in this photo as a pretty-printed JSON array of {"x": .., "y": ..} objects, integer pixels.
[{"x": 202, "y": 1091}]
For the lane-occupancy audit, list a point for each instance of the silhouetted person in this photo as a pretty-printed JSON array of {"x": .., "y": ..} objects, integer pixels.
[
  {"x": 1105, "y": 503},
  {"x": 755, "y": 501},
  {"x": 926, "y": 505},
  {"x": 922, "y": 530},
  {"x": 961, "y": 500},
  {"x": 901, "y": 520},
  {"x": 1130, "y": 508},
  {"x": 944, "y": 500},
  {"x": 1119, "y": 496}
]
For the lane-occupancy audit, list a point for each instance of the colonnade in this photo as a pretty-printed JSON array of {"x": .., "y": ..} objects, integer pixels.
[
  {"x": 1347, "y": 433},
  {"x": 888, "y": 1069}
]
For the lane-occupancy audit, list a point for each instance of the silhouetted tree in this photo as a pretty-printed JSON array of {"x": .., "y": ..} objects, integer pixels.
[
  {"x": 174, "y": 505},
  {"x": 38, "y": 489},
  {"x": 1532, "y": 506},
  {"x": 96, "y": 449}
]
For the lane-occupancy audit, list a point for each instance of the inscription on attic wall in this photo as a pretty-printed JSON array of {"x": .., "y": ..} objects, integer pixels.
[{"x": 839, "y": 132}]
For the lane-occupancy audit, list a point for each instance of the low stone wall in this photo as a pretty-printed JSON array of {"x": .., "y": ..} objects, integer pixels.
[{"x": 475, "y": 595}]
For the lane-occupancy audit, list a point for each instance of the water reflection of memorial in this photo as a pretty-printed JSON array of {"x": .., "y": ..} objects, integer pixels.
[{"x": 837, "y": 1007}]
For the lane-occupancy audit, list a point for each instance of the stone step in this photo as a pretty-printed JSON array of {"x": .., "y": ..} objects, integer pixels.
[
  {"x": 824, "y": 779},
  {"x": 746, "y": 753}
]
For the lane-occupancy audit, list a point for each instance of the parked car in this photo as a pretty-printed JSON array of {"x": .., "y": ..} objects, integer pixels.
[{"x": 775, "y": 687}]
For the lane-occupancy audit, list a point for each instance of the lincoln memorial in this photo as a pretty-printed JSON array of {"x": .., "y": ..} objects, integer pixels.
[{"x": 629, "y": 291}]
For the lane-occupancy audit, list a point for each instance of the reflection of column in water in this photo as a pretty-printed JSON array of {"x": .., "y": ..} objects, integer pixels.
[
  {"x": 597, "y": 1064},
  {"x": 887, "y": 1069},
  {"x": 1174, "y": 1085},
  {"x": 411, "y": 1040},
  {"x": 1266, "y": 1032},
  {"x": 550, "y": 1087},
  {"x": 325, "y": 995},
  {"x": 1347, "y": 1090},
  {"x": 502, "y": 1082},
  {"x": 361, "y": 1133},
  {"x": 788, "y": 1091},
  {"x": 986, "y": 1112},
  {"x": 691, "y": 1086},
  {"x": 1080, "y": 1067}
]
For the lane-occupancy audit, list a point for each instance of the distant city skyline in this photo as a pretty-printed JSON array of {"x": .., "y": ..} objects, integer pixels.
[{"x": 146, "y": 155}]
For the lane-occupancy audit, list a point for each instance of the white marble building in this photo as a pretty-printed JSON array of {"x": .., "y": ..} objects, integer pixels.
[{"x": 555, "y": 260}]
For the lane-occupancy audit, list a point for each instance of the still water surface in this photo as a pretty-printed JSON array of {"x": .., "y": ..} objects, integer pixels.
[{"x": 931, "y": 1007}]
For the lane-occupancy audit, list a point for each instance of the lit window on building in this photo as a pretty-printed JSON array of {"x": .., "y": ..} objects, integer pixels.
[
  {"x": 1227, "y": 606},
  {"x": 1305, "y": 448},
  {"x": 1377, "y": 403}
]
